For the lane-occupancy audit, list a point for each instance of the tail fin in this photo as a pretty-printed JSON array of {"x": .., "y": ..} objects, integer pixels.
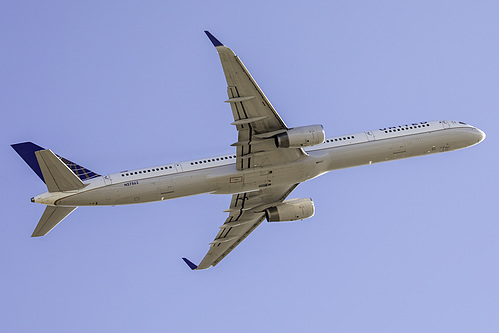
[
  {"x": 50, "y": 218},
  {"x": 27, "y": 152}
]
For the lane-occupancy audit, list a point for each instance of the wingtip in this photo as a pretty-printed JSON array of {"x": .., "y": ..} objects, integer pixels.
[
  {"x": 212, "y": 38},
  {"x": 190, "y": 264}
]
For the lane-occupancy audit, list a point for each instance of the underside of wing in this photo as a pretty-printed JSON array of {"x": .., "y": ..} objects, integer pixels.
[
  {"x": 246, "y": 212},
  {"x": 255, "y": 118},
  {"x": 259, "y": 129}
]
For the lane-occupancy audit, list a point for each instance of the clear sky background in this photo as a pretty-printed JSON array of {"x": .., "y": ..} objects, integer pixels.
[{"x": 405, "y": 246}]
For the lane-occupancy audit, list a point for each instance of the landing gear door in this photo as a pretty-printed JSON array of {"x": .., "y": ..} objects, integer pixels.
[{"x": 165, "y": 185}]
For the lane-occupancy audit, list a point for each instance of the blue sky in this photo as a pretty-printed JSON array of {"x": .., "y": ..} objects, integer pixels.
[{"x": 404, "y": 246}]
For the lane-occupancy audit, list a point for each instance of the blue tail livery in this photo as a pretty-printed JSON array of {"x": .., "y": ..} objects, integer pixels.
[{"x": 27, "y": 152}]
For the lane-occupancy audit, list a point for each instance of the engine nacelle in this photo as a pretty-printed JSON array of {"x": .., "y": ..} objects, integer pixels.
[
  {"x": 303, "y": 136},
  {"x": 291, "y": 210}
]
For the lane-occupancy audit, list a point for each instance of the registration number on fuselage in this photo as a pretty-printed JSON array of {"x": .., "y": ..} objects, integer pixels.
[{"x": 131, "y": 183}]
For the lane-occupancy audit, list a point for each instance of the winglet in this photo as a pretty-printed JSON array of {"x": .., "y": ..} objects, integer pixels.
[
  {"x": 215, "y": 41},
  {"x": 190, "y": 264}
]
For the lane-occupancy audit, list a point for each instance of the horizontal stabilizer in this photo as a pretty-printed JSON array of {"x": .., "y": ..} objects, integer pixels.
[
  {"x": 57, "y": 175},
  {"x": 50, "y": 218}
]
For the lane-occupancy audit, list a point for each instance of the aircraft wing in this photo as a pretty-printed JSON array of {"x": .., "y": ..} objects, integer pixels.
[
  {"x": 256, "y": 120},
  {"x": 246, "y": 212},
  {"x": 257, "y": 123}
]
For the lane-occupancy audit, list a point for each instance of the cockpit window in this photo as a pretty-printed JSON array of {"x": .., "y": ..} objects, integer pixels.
[{"x": 462, "y": 123}]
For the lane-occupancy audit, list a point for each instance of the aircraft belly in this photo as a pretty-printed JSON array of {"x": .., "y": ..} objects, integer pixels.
[
  {"x": 257, "y": 178},
  {"x": 140, "y": 191}
]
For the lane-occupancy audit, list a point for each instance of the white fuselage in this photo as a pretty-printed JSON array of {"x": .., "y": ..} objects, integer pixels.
[{"x": 219, "y": 175}]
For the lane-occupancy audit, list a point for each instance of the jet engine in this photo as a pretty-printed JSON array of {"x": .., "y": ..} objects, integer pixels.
[
  {"x": 298, "y": 137},
  {"x": 291, "y": 210}
]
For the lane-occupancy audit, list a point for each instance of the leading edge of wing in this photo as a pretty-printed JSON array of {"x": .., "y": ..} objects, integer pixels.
[{"x": 212, "y": 38}]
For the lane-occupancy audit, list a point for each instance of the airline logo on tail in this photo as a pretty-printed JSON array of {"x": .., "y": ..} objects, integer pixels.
[{"x": 27, "y": 152}]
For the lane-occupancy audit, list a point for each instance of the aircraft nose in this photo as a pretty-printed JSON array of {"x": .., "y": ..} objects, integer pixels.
[{"x": 480, "y": 135}]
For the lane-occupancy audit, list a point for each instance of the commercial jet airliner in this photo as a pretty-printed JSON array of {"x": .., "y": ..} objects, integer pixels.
[{"x": 269, "y": 162}]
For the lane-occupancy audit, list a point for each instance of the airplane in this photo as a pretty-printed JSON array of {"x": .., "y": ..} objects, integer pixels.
[{"x": 270, "y": 161}]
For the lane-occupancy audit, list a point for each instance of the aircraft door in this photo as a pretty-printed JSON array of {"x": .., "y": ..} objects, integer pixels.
[
  {"x": 370, "y": 136},
  {"x": 445, "y": 124},
  {"x": 107, "y": 180}
]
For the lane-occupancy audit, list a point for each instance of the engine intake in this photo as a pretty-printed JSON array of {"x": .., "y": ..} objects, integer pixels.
[
  {"x": 291, "y": 210},
  {"x": 303, "y": 136}
]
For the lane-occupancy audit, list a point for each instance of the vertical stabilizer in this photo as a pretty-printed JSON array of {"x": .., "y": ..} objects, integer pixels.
[
  {"x": 27, "y": 151},
  {"x": 50, "y": 218}
]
